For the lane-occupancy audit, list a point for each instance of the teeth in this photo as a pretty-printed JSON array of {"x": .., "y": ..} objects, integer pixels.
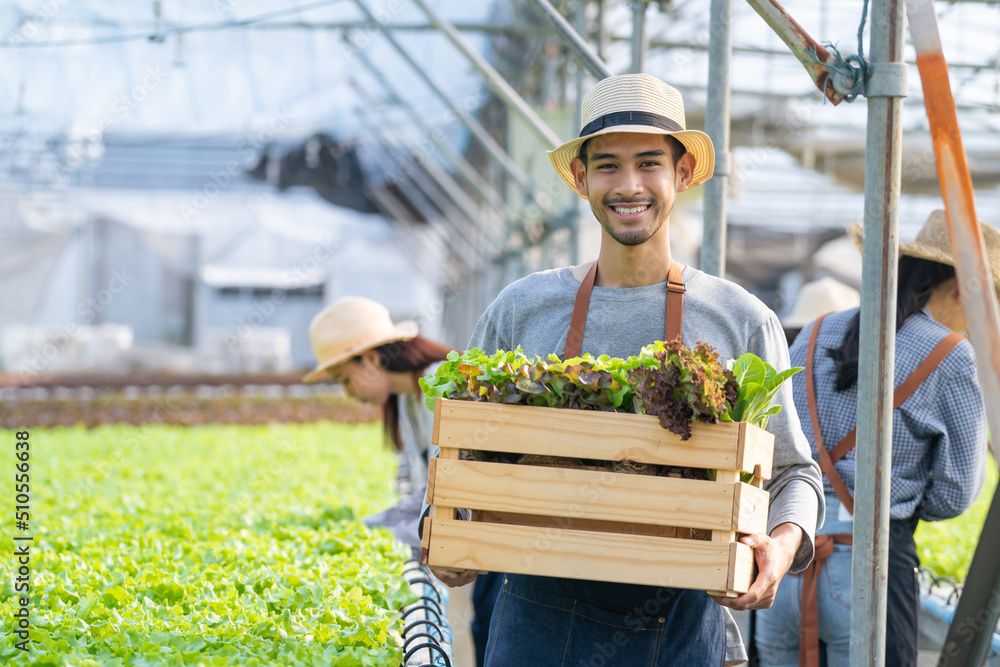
[{"x": 630, "y": 211}]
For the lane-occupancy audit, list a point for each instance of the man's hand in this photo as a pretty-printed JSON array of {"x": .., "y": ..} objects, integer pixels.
[
  {"x": 774, "y": 556},
  {"x": 459, "y": 578}
]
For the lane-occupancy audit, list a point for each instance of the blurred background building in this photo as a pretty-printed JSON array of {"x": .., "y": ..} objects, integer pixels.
[{"x": 184, "y": 184}]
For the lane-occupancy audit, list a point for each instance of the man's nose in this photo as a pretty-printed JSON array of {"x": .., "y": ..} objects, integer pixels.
[{"x": 629, "y": 183}]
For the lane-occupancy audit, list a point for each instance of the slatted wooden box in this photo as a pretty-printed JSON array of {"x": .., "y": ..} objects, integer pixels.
[{"x": 587, "y": 523}]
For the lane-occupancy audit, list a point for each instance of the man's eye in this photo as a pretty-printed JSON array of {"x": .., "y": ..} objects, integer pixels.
[{"x": 650, "y": 163}]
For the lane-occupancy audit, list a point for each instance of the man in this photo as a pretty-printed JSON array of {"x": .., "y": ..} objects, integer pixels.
[{"x": 632, "y": 158}]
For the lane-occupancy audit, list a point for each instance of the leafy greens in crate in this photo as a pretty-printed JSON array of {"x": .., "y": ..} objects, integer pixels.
[{"x": 676, "y": 384}]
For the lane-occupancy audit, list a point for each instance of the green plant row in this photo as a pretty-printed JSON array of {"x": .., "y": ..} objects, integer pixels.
[
  {"x": 210, "y": 545},
  {"x": 947, "y": 547}
]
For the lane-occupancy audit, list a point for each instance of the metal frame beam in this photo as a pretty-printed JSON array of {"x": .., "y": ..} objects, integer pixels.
[
  {"x": 485, "y": 190},
  {"x": 576, "y": 44},
  {"x": 469, "y": 209},
  {"x": 535, "y": 31},
  {"x": 484, "y": 138},
  {"x": 493, "y": 78},
  {"x": 428, "y": 196}
]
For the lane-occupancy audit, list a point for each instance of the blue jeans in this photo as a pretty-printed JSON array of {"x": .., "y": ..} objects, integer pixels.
[
  {"x": 485, "y": 591},
  {"x": 533, "y": 627},
  {"x": 777, "y": 628}
]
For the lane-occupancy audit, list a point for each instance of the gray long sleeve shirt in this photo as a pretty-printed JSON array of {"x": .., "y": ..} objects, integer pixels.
[{"x": 534, "y": 313}]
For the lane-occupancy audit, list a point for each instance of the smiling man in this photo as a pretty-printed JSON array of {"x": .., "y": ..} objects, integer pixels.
[{"x": 632, "y": 158}]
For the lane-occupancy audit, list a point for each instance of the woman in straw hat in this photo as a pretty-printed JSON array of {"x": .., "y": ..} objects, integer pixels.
[
  {"x": 378, "y": 362},
  {"x": 938, "y": 451}
]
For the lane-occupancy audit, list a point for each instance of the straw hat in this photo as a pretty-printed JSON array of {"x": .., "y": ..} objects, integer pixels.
[
  {"x": 350, "y": 327},
  {"x": 825, "y": 295},
  {"x": 635, "y": 103},
  {"x": 933, "y": 242}
]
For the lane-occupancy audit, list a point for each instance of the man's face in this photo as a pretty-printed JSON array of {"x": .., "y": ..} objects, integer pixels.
[{"x": 631, "y": 183}]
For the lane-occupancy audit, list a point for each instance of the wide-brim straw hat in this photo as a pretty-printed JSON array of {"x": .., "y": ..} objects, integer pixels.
[
  {"x": 819, "y": 297},
  {"x": 348, "y": 328},
  {"x": 635, "y": 103},
  {"x": 933, "y": 242}
]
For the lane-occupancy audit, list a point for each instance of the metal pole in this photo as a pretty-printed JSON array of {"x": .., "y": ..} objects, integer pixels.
[
  {"x": 474, "y": 125},
  {"x": 601, "y": 35},
  {"x": 576, "y": 206},
  {"x": 576, "y": 44},
  {"x": 485, "y": 190},
  {"x": 639, "y": 44},
  {"x": 876, "y": 356},
  {"x": 493, "y": 78},
  {"x": 720, "y": 43}
]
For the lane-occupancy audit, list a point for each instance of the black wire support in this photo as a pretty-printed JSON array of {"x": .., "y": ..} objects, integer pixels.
[{"x": 426, "y": 632}]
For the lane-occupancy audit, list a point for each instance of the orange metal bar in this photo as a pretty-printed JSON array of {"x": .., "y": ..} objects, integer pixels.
[{"x": 976, "y": 608}]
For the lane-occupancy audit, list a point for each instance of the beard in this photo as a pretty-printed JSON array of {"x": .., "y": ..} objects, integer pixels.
[{"x": 629, "y": 236}]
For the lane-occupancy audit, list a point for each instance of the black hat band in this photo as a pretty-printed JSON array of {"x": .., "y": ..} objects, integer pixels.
[{"x": 631, "y": 118}]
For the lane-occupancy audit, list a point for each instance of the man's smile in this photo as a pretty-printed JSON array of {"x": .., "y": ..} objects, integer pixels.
[{"x": 630, "y": 212}]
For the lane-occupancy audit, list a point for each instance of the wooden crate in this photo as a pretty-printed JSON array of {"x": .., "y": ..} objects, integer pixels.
[{"x": 587, "y": 523}]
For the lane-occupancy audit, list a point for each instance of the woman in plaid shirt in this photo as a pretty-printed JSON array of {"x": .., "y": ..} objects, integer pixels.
[{"x": 938, "y": 451}]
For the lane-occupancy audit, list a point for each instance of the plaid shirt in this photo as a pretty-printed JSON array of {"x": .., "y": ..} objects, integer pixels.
[{"x": 938, "y": 433}]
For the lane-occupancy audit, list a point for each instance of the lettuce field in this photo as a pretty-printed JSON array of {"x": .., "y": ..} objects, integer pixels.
[
  {"x": 212, "y": 545},
  {"x": 946, "y": 547}
]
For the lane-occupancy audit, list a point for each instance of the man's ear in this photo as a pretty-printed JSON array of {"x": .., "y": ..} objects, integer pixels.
[
  {"x": 684, "y": 172},
  {"x": 579, "y": 175}
]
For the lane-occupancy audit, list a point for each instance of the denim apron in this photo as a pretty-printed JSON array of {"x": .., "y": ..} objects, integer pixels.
[{"x": 550, "y": 622}]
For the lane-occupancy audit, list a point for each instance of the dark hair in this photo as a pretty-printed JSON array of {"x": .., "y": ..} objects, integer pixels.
[
  {"x": 677, "y": 149},
  {"x": 916, "y": 280},
  {"x": 791, "y": 334},
  {"x": 406, "y": 356}
]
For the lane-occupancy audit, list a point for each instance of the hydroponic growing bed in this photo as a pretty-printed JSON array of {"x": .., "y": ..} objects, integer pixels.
[{"x": 211, "y": 545}]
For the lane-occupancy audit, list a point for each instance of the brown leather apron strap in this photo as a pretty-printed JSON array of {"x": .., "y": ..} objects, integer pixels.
[
  {"x": 574, "y": 339},
  {"x": 578, "y": 321},
  {"x": 825, "y": 462},
  {"x": 905, "y": 390},
  {"x": 675, "y": 303},
  {"x": 809, "y": 623}
]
